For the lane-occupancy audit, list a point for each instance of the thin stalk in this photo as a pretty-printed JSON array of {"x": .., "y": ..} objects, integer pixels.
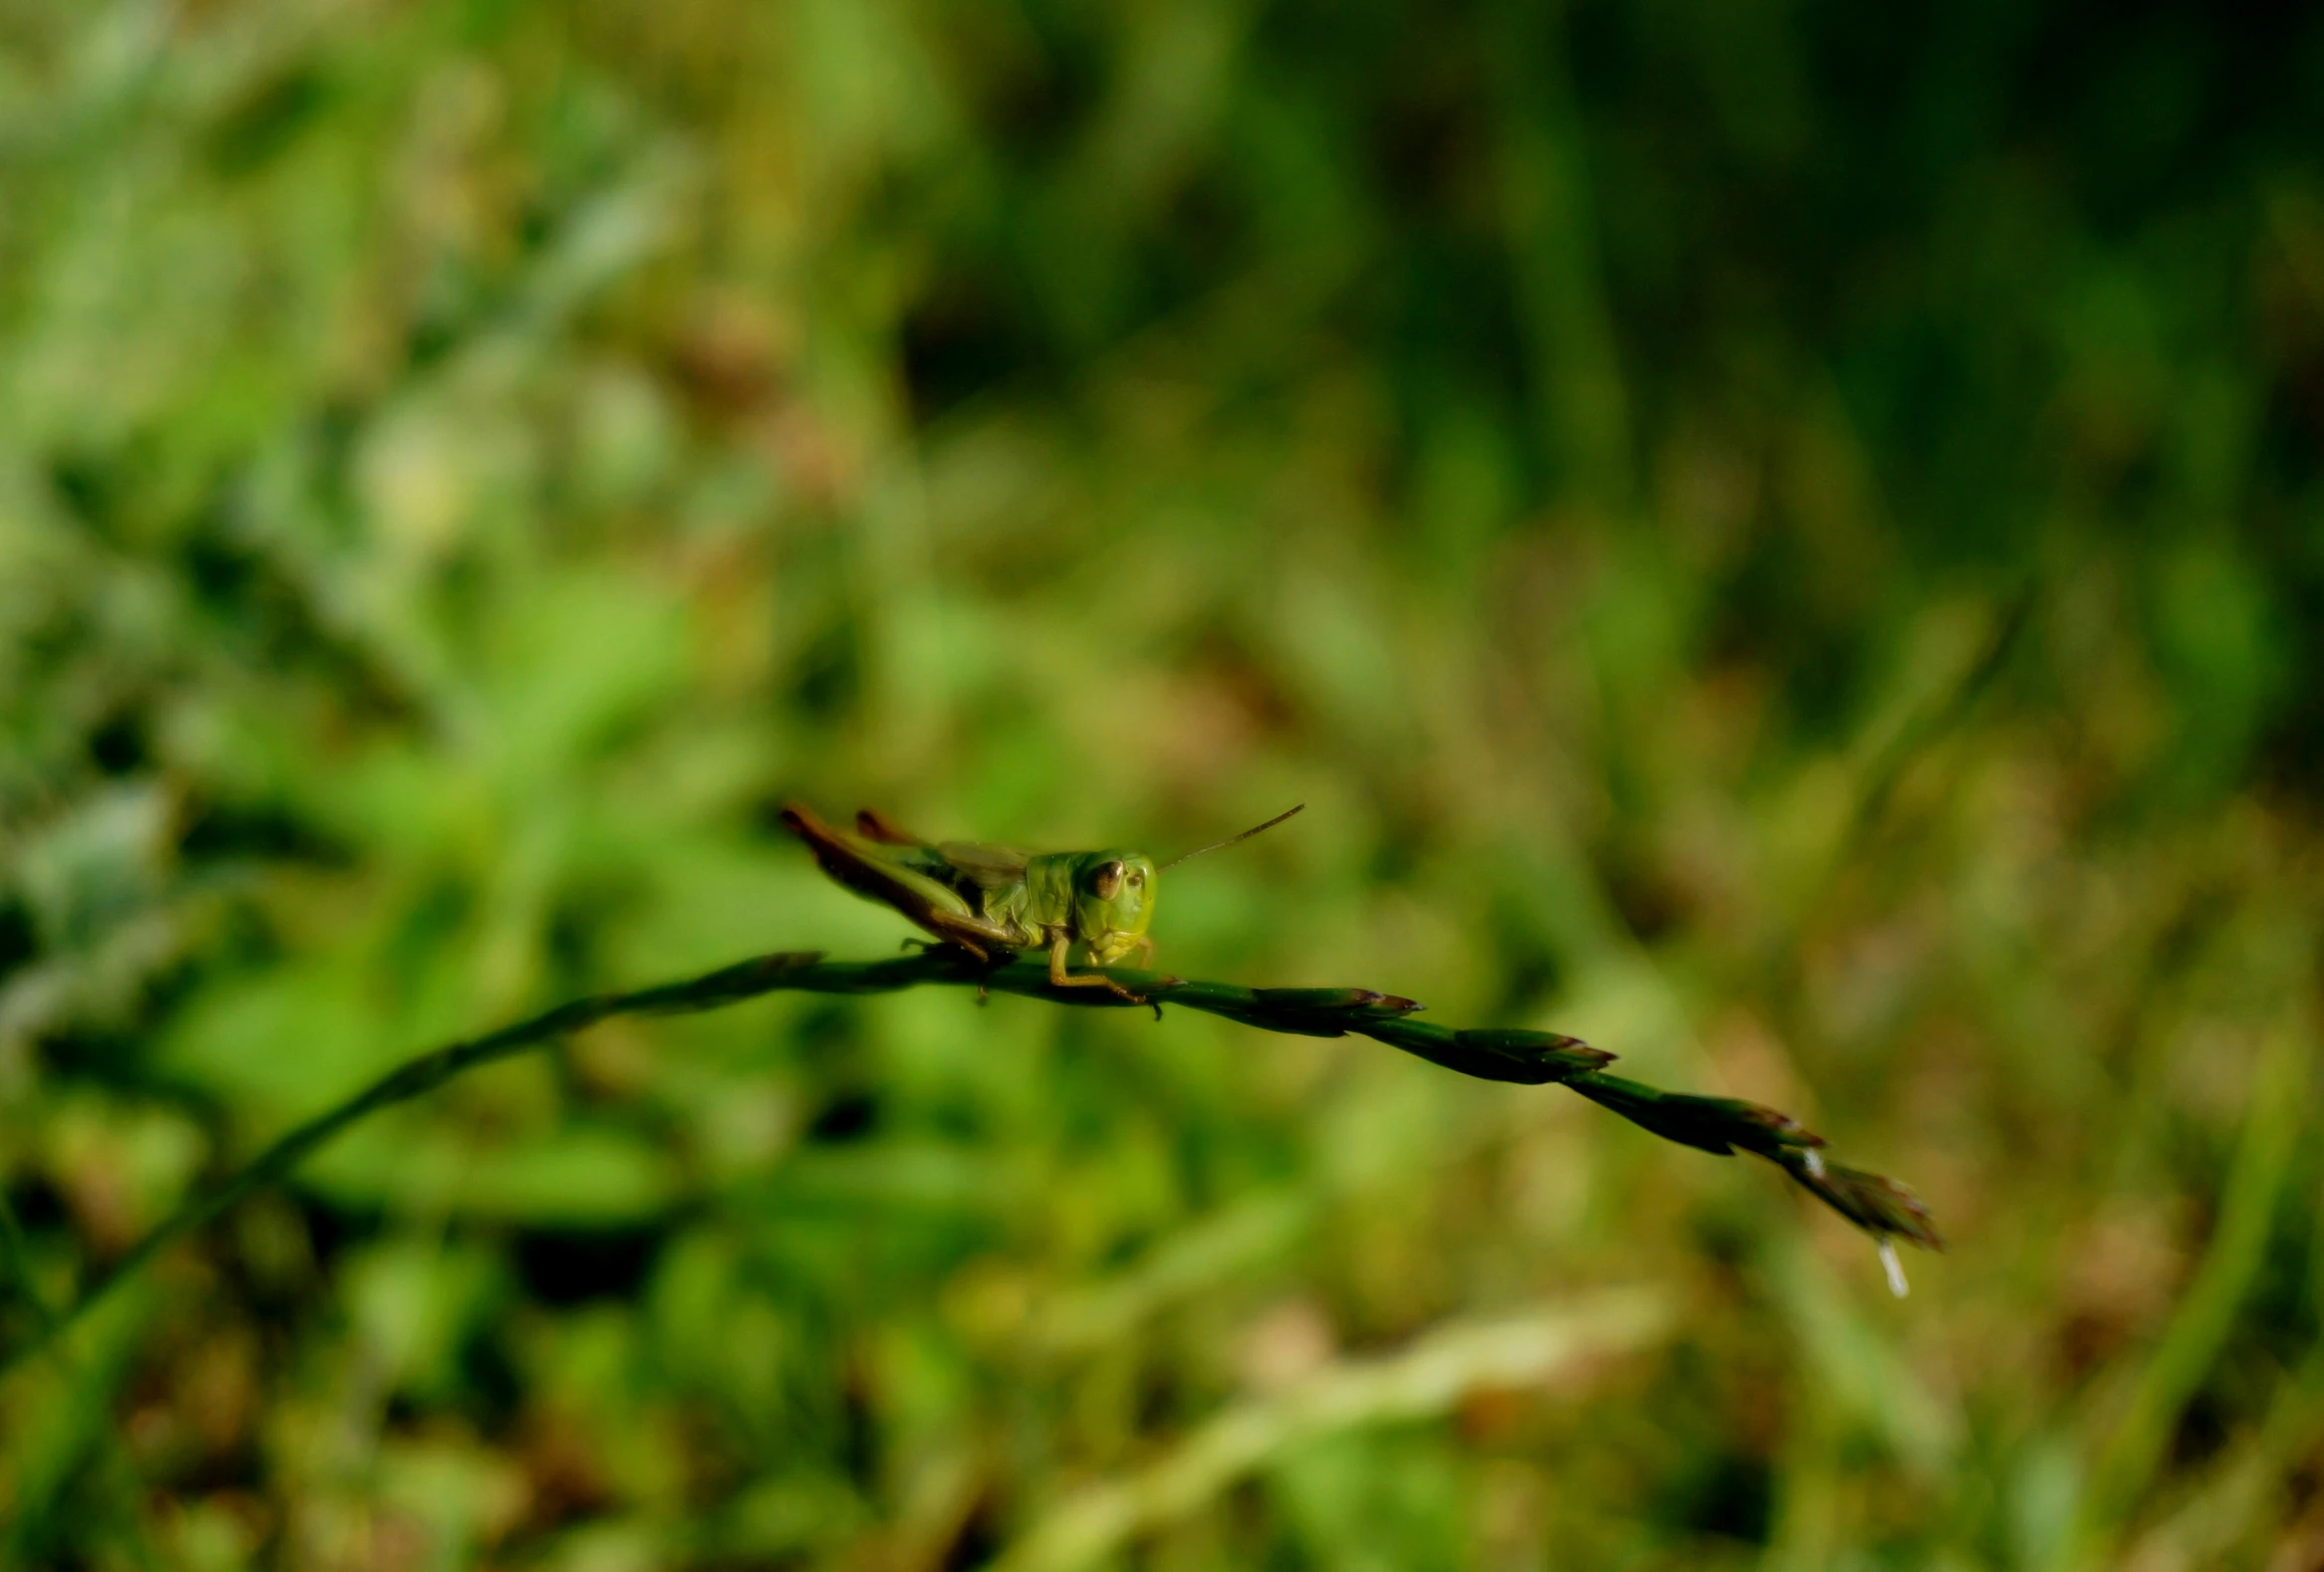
[{"x": 1720, "y": 1125}]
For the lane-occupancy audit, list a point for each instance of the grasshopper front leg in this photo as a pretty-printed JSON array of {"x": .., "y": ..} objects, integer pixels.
[{"x": 1059, "y": 942}]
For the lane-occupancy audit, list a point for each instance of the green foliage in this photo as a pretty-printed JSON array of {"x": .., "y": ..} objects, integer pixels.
[{"x": 1783, "y": 541}]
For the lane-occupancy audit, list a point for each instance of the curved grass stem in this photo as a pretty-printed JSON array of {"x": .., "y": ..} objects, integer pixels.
[{"x": 1721, "y": 1125}]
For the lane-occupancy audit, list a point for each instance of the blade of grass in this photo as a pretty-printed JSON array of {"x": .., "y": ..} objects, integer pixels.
[
  {"x": 80, "y": 1421},
  {"x": 1425, "y": 1380},
  {"x": 2136, "y": 1444}
]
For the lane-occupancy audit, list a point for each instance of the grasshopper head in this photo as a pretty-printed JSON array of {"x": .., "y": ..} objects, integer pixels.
[{"x": 1113, "y": 902}]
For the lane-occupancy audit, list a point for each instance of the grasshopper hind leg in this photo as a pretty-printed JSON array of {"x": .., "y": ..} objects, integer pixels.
[
  {"x": 965, "y": 947},
  {"x": 873, "y": 825},
  {"x": 925, "y": 901}
]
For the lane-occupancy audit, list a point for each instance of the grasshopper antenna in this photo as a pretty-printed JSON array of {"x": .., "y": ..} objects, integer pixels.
[{"x": 1219, "y": 845}]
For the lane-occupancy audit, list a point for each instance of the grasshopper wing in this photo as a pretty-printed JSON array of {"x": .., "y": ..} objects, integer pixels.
[
  {"x": 928, "y": 901},
  {"x": 969, "y": 867},
  {"x": 982, "y": 867}
]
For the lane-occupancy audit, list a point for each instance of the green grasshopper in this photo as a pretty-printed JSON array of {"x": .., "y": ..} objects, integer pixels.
[{"x": 994, "y": 901}]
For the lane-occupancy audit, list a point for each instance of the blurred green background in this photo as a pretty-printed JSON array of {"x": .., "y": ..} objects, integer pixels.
[{"x": 1785, "y": 538}]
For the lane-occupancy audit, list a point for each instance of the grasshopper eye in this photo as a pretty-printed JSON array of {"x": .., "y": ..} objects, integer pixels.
[{"x": 1108, "y": 882}]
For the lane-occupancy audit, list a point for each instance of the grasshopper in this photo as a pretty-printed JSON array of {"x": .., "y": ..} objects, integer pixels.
[{"x": 994, "y": 901}]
